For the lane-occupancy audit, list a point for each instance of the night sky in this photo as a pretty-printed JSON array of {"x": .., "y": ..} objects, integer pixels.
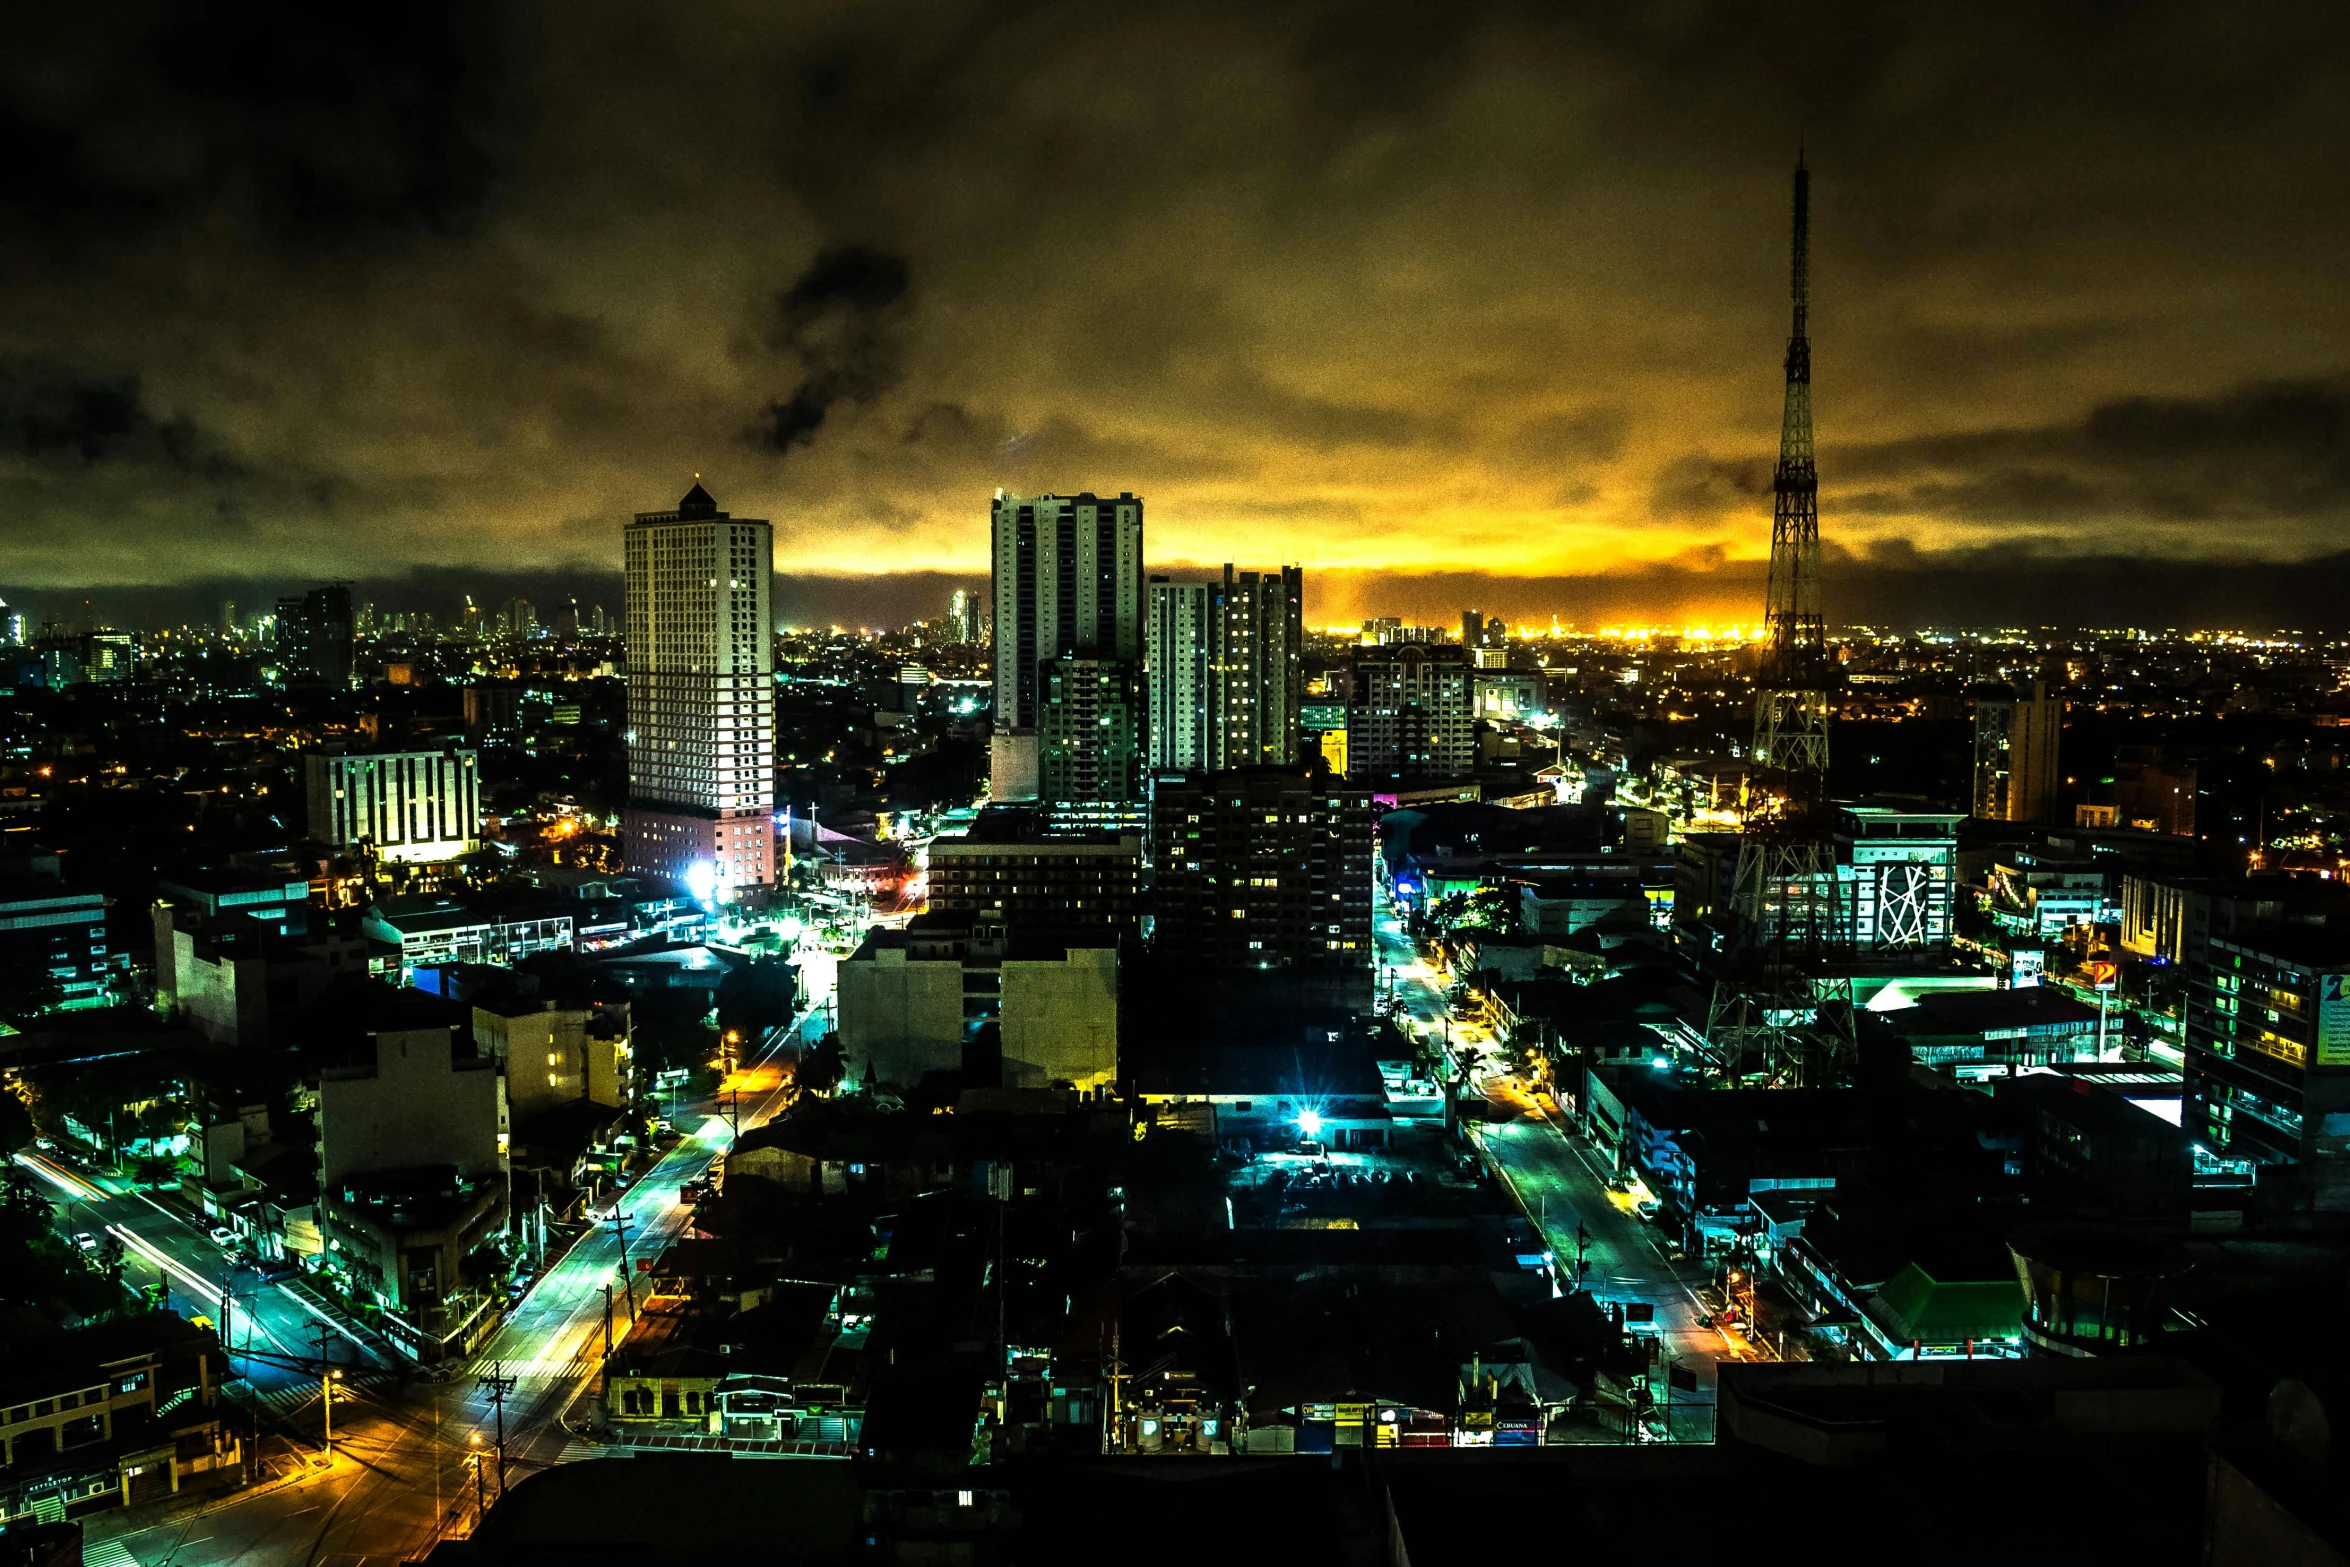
[{"x": 1460, "y": 292}]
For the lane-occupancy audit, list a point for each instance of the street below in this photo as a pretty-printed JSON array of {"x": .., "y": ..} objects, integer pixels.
[
  {"x": 411, "y": 1454},
  {"x": 1559, "y": 1179}
]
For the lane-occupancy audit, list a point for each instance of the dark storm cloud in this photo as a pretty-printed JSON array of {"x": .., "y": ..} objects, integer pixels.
[
  {"x": 318, "y": 123},
  {"x": 1698, "y": 485},
  {"x": 844, "y": 321},
  {"x": 948, "y": 424},
  {"x": 2264, "y": 452},
  {"x": 1374, "y": 285},
  {"x": 1989, "y": 588},
  {"x": 78, "y": 442},
  {"x": 53, "y": 414}
]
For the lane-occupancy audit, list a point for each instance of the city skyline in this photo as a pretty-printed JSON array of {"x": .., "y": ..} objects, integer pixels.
[
  {"x": 1069, "y": 759},
  {"x": 1571, "y": 389}
]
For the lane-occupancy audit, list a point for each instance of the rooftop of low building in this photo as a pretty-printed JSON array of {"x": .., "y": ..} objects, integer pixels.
[
  {"x": 1983, "y": 1011},
  {"x": 2085, "y": 1106}
]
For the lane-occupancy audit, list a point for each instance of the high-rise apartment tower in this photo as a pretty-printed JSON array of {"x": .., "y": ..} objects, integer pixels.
[
  {"x": 2015, "y": 756},
  {"x": 1412, "y": 713},
  {"x": 1179, "y": 646},
  {"x": 314, "y": 637},
  {"x": 1227, "y": 670},
  {"x": 701, "y": 698},
  {"x": 1067, "y": 580}
]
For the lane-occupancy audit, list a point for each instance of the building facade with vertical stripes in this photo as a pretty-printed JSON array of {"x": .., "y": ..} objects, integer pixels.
[
  {"x": 1178, "y": 647},
  {"x": 412, "y": 807}
]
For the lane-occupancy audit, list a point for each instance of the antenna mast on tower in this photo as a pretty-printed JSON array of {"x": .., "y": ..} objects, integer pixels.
[{"x": 1785, "y": 904}]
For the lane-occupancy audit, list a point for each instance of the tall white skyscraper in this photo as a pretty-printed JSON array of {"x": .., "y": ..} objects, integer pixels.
[
  {"x": 701, "y": 698},
  {"x": 1067, "y": 579}
]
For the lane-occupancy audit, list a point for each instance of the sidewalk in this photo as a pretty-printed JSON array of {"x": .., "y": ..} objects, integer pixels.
[
  {"x": 666, "y": 1442},
  {"x": 277, "y": 1474}
]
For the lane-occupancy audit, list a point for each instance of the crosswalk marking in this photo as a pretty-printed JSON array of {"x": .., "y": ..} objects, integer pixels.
[
  {"x": 540, "y": 1367},
  {"x": 107, "y": 1553},
  {"x": 288, "y": 1400}
]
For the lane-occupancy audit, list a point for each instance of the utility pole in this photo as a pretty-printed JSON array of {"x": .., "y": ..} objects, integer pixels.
[
  {"x": 327, "y": 1373},
  {"x": 620, "y": 1226},
  {"x": 498, "y": 1387},
  {"x": 607, "y": 1321},
  {"x": 1117, "y": 1431}
]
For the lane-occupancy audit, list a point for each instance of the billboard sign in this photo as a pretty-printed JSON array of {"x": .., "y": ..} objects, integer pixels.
[{"x": 2333, "y": 1020}]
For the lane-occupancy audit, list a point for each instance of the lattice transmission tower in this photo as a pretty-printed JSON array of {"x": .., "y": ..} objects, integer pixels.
[{"x": 1777, "y": 1011}]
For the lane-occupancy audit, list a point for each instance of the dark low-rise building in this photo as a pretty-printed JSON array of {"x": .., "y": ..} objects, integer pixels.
[
  {"x": 1564, "y": 896},
  {"x": 994, "y": 1141},
  {"x": 57, "y": 930},
  {"x": 949, "y": 992},
  {"x": 1706, "y": 1153},
  {"x": 2034, "y": 1026},
  {"x": 2095, "y": 1151},
  {"x": 242, "y": 979},
  {"x": 1270, "y": 1098},
  {"x": 110, "y": 1415},
  {"x": 1007, "y": 866},
  {"x": 1262, "y": 868},
  {"x": 412, "y": 1130}
]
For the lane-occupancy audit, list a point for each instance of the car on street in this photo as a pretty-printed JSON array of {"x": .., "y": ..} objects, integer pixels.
[
  {"x": 83, "y": 1240},
  {"x": 222, "y": 1235},
  {"x": 1648, "y": 1208}
]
